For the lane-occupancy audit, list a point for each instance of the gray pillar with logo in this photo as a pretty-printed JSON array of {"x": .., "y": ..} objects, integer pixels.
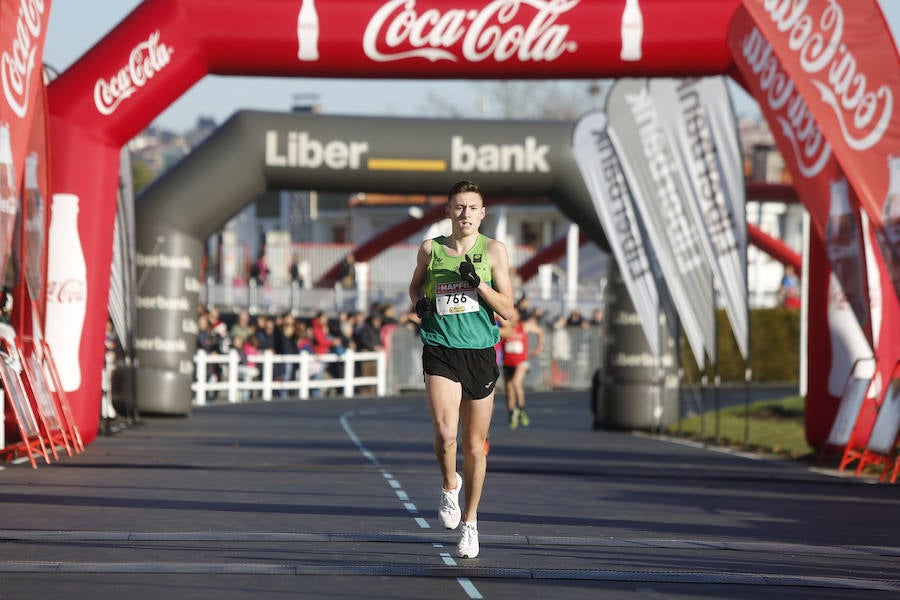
[{"x": 634, "y": 390}]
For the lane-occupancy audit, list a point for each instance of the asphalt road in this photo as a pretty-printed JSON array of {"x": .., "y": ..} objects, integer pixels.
[{"x": 336, "y": 498}]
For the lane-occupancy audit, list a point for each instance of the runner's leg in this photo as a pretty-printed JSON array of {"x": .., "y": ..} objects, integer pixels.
[
  {"x": 444, "y": 396},
  {"x": 476, "y": 420}
]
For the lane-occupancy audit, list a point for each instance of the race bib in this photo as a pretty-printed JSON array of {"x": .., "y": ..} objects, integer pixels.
[
  {"x": 455, "y": 299},
  {"x": 514, "y": 346}
]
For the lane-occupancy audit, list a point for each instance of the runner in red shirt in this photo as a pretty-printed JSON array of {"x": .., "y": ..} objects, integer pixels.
[{"x": 514, "y": 337}]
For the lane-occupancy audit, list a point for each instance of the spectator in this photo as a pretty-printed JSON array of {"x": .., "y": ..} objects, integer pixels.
[
  {"x": 347, "y": 275},
  {"x": 339, "y": 342},
  {"x": 219, "y": 329},
  {"x": 388, "y": 315},
  {"x": 251, "y": 351},
  {"x": 259, "y": 270},
  {"x": 242, "y": 327},
  {"x": 207, "y": 341},
  {"x": 251, "y": 347},
  {"x": 111, "y": 344},
  {"x": 294, "y": 271},
  {"x": 576, "y": 319},
  {"x": 344, "y": 329},
  {"x": 285, "y": 345},
  {"x": 247, "y": 371},
  {"x": 523, "y": 305},
  {"x": 265, "y": 337},
  {"x": 368, "y": 339},
  {"x": 367, "y": 336},
  {"x": 304, "y": 337},
  {"x": 315, "y": 339},
  {"x": 597, "y": 317},
  {"x": 790, "y": 288},
  {"x": 322, "y": 341},
  {"x": 389, "y": 322},
  {"x": 111, "y": 347}
]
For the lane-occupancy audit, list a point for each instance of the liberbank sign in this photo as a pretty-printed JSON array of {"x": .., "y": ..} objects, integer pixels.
[{"x": 301, "y": 150}]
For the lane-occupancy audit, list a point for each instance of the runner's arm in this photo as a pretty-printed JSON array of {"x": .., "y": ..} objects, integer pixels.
[
  {"x": 499, "y": 295},
  {"x": 423, "y": 257}
]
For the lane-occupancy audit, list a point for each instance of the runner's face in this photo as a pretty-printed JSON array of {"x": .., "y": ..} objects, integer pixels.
[{"x": 466, "y": 210}]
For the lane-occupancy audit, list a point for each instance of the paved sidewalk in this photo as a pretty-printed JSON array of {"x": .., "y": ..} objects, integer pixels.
[{"x": 336, "y": 498}]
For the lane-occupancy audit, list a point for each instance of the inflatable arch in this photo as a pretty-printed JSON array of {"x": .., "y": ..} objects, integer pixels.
[
  {"x": 165, "y": 46},
  {"x": 256, "y": 151}
]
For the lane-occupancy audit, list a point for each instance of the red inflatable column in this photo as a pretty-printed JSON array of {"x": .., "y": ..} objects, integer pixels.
[{"x": 88, "y": 176}]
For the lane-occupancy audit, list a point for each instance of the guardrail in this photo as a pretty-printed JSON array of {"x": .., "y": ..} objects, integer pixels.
[{"x": 306, "y": 374}]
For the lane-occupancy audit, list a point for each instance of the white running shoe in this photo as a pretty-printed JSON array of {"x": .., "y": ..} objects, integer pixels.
[
  {"x": 448, "y": 510},
  {"x": 468, "y": 541}
]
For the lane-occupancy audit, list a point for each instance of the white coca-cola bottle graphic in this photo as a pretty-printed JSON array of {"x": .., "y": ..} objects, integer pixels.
[
  {"x": 891, "y": 221},
  {"x": 308, "y": 31},
  {"x": 9, "y": 200},
  {"x": 842, "y": 245},
  {"x": 34, "y": 227},
  {"x": 66, "y": 290},
  {"x": 632, "y": 31}
]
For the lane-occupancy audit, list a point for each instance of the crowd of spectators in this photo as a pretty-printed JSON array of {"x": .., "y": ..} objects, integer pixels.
[
  {"x": 321, "y": 333},
  {"x": 286, "y": 334}
]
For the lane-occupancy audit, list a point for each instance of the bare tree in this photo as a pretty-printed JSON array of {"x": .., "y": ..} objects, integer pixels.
[{"x": 523, "y": 99}]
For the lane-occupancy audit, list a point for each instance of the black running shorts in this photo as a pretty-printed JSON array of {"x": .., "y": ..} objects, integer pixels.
[
  {"x": 508, "y": 372},
  {"x": 475, "y": 369}
]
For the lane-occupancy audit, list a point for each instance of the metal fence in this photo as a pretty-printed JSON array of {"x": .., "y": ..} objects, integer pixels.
[
  {"x": 567, "y": 361},
  {"x": 302, "y": 375}
]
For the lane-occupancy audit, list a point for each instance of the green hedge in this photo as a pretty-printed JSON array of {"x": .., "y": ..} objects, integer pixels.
[{"x": 774, "y": 348}]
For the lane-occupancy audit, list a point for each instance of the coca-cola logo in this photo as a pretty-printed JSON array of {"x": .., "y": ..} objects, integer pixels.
[
  {"x": 145, "y": 61},
  {"x": 811, "y": 151},
  {"x": 18, "y": 63},
  {"x": 863, "y": 113},
  {"x": 499, "y": 31},
  {"x": 68, "y": 291}
]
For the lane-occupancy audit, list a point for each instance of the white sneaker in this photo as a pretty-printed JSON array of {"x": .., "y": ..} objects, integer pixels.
[
  {"x": 468, "y": 541},
  {"x": 448, "y": 510}
]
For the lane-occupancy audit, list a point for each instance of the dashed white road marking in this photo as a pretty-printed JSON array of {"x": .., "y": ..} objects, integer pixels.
[{"x": 467, "y": 586}]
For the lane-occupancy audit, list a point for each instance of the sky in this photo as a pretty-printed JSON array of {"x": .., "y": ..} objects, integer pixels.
[{"x": 76, "y": 25}]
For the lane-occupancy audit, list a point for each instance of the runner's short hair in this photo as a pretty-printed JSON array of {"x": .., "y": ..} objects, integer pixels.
[{"x": 462, "y": 186}]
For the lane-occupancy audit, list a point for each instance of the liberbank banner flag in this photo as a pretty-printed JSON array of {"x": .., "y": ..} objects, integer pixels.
[
  {"x": 697, "y": 117},
  {"x": 841, "y": 56},
  {"x": 649, "y": 166},
  {"x": 23, "y": 29},
  {"x": 603, "y": 177}
]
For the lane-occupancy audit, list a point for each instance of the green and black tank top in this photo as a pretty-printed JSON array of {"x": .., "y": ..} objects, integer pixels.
[{"x": 460, "y": 319}]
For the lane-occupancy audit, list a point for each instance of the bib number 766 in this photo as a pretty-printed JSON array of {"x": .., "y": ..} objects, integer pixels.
[{"x": 455, "y": 303}]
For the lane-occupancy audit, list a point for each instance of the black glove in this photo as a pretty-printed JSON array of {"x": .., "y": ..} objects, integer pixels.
[
  {"x": 468, "y": 274},
  {"x": 423, "y": 307}
]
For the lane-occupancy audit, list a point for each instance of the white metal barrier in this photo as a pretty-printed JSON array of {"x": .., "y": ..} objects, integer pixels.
[{"x": 308, "y": 374}]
